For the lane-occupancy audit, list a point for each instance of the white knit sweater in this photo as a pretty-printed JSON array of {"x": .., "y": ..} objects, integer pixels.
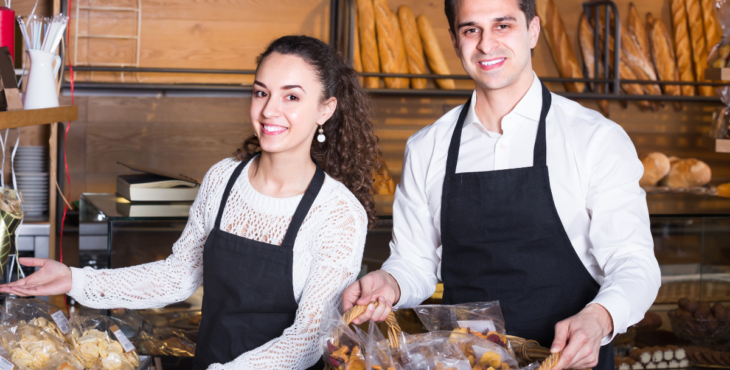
[{"x": 327, "y": 256}]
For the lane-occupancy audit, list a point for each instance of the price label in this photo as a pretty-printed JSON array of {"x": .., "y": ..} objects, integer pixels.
[
  {"x": 61, "y": 321},
  {"x": 126, "y": 344},
  {"x": 5, "y": 364}
]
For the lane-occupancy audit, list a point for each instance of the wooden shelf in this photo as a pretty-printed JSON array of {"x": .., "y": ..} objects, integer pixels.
[
  {"x": 717, "y": 74},
  {"x": 716, "y": 145},
  {"x": 21, "y": 118}
]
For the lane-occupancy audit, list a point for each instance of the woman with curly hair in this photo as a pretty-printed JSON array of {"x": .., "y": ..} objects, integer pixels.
[{"x": 276, "y": 232}]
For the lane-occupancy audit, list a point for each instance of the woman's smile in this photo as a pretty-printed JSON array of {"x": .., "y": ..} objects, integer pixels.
[{"x": 269, "y": 129}]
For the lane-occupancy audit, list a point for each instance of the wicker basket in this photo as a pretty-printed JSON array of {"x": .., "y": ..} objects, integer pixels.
[{"x": 526, "y": 350}]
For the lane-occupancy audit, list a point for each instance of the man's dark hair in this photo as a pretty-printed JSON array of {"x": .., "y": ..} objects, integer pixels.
[{"x": 527, "y": 7}]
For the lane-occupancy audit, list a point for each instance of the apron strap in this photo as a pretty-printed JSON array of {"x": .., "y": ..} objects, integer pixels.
[
  {"x": 540, "y": 154},
  {"x": 227, "y": 192},
  {"x": 453, "y": 155},
  {"x": 304, "y": 206}
]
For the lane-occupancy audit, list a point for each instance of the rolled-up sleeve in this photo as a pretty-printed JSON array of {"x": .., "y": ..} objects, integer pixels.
[
  {"x": 413, "y": 260},
  {"x": 620, "y": 232}
]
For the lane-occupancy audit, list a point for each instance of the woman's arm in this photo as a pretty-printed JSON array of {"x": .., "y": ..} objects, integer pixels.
[
  {"x": 336, "y": 265},
  {"x": 155, "y": 284}
]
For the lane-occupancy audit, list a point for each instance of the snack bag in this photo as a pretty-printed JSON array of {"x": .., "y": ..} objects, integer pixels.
[
  {"x": 720, "y": 53},
  {"x": 482, "y": 352},
  {"x": 32, "y": 348},
  {"x": 101, "y": 343},
  {"x": 342, "y": 347},
  {"x": 36, "y": 312},
  {"x": 378, "y": 354},
  {"x": 483, "y": 319},
  {"x": 431, "y": 351}
]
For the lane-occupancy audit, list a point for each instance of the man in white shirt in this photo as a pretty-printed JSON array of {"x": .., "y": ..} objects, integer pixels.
[{"x": 520, "y": 196}]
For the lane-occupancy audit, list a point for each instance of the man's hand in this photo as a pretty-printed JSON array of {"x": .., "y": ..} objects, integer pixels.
[
  {"x": 583, "y": 333},
  {"x": 377, "y": 286}
]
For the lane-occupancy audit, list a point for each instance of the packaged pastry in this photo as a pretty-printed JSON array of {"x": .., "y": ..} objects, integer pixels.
[
  {"x": 36, "y": 312},
  {"x": 101, "y": 343},
  {"x": 342, "y": 347},
  {"x": 31, "y": 348}
]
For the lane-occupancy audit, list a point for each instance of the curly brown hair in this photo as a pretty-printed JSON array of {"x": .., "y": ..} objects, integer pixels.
[{"x": 351, "y": 152}]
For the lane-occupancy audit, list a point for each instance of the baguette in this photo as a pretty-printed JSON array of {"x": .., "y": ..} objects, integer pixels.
[
  {"x": 433, "y": 53},
  {"x": 637, "y": 31},
  {"x": 699, "y": 44},
  {"x": 356, "y": 57},
  {"x": 626, "y": 72},
  {"x": 712, "y": 32},
  {"x": 368, "y": 43},
  {"x": 662, "y": 54},
  {"x": 682, "y": 45},
  {"x": 400, "y": 48},
  {"x": 585, "y": 36},
  {"x": 386, "y": 42},
  {"x": 642, "y": 68},
  {"x": 557, "y": 39},
  {"x": 413, "y": 45}
]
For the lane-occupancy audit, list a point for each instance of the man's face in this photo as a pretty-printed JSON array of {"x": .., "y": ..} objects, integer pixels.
[{"x": 493, "y": 41}]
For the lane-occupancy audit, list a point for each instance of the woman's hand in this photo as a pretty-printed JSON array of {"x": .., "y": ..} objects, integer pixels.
[
  {"x": 377, "y": 286},
  {"x": 53, "y": 278}
]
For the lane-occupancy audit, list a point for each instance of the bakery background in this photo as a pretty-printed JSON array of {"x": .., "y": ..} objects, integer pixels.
[{"x": 166, "y": 83}]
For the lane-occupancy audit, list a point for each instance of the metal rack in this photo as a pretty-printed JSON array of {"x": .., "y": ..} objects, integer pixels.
[{"x": 342, "y": 30}]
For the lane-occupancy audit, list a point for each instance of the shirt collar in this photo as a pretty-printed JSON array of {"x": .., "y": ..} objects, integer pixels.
[{"x": 529, "y": 106}]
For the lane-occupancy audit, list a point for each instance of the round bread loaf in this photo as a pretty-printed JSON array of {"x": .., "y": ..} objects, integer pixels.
[
  {"x": 687, "y": 173},
  {"x": 656, "y": 166}
]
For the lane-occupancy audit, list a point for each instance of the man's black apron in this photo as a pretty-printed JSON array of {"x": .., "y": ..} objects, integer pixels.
[
  {"x": 249, "y": 296},
  {"x": 503, "y": 240}
]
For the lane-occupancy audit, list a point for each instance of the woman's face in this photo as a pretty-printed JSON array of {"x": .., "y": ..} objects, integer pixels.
[{"x": 287, "y": 107}]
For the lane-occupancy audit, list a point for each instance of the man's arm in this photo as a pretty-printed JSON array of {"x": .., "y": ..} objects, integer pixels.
[
  {"x": 621, "y": 244},
  {"x": 408, "y": 277}
]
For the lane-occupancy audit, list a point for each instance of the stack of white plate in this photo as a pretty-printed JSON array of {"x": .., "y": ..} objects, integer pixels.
[{"x": 31, "y": 171}]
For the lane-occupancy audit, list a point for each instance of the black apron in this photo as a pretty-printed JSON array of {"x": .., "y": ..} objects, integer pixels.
[
  {"x": 503, "y": 240},
  {"x": 249, "y": 296}
]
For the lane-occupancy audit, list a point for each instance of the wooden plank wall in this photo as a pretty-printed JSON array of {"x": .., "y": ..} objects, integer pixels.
[
  {"x": 191, "y": 134},
  {"x": 213, "y": 34}
]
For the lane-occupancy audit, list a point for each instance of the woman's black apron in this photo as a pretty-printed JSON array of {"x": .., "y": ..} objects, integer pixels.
[
  {"x": 503, "y": 240},
  {"x": 248, "y": 293}
]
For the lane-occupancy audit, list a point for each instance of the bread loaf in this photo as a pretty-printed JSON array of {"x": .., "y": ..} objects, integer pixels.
[
  {"x": 662, "y": 55},
  {"x": 400, "y": 48},
  {"x": 434, "y": 54},
  {"x": 656, "y": 166},
  {"x": 686, "y": 173},
  {"x": 386, "y": 42},
  {"x": 356, "y": 57},
  {"x": 586, "y": 38},
  {"x": 711, "y": 23},
  {"x": 723, "y": 190},
  {"x": 368, "y": 43},
  {"x": 625, "y": 70},
  {"x": 682, "y": 46},
  {"x": 699, "y": 44},
  {"x": 413, "y": 45},
  {"x": 643, "y": 69},
  {"x": 637, "y": 31},
  {"x": 559, "y": 43}
]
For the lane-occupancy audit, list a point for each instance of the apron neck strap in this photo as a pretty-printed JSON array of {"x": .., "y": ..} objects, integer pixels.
[
  {"x": 540, "y": 154},
  {"x": 453, "y": 155},
  {"x": 227, "y": 192},
  {"x": 304, "y": 206},
  {"x": 302, "y": 209}
]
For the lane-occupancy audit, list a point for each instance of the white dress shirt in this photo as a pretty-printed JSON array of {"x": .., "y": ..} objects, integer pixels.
[{"x": 594, "y": 177}]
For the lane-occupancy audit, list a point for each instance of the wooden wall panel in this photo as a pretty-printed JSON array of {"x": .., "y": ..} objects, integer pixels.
[{"x": 190, "y": 34}]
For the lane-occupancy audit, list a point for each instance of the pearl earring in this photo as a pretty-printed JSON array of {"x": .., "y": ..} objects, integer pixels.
[{"x": 321, "y": 137}]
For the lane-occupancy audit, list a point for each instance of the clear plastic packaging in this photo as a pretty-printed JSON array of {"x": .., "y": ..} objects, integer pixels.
[
  {"x": 166, "y": 342},
  {"x": 431, "y": 351},
  {"x": 378, "y": 354},
  {"x": 32, "y": 348},
  {"x": 341, "y": 345},
  {"x": 101, "y": 344},
  {"x": 483, "y": 319},
  {"x": 36, "y": 312}
]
